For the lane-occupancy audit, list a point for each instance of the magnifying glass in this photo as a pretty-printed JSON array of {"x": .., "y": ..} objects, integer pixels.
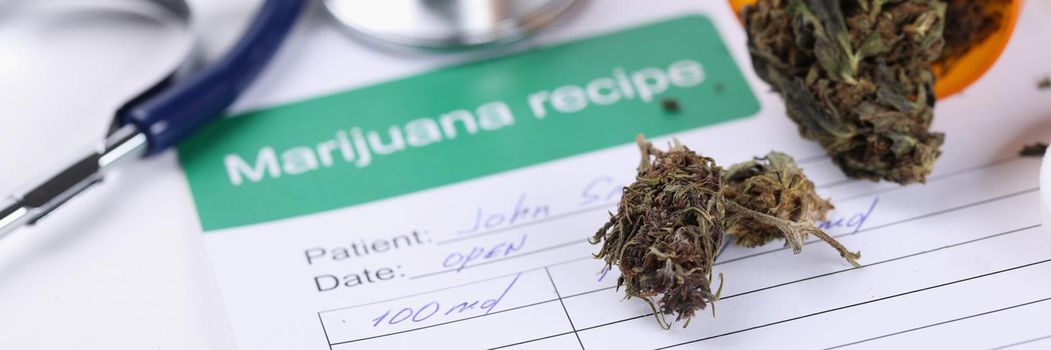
[{"x": 188, "y": 96}]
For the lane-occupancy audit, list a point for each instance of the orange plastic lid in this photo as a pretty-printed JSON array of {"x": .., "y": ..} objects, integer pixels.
[{"x": 966, "y": 69}]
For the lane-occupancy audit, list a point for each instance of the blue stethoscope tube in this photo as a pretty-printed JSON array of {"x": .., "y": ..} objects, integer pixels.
[
  {"x": 161, "y": 116},
  {"x": 170, "y": 114}
]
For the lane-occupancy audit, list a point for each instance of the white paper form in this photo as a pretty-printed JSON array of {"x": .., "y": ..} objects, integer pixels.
[{"x": 501, "y": 261}]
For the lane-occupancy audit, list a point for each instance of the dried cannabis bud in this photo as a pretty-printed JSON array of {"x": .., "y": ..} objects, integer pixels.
[
  {"x": 769, "y": 198},
  {"x": 773, "y": 185},
  {"x": 968, "y": 23},
  {"x": 1035, "y": 149},
  {"x": 667, "y": 231},
  {"x": 856, "y": 76},
  {"x": 1044, "y": 83},
  {"x": 670, "y": 223},
  {"x": 670, "y": 105}
]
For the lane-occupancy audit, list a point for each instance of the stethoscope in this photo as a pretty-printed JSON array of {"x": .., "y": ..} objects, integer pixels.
[{"x": 187, "y": 98}]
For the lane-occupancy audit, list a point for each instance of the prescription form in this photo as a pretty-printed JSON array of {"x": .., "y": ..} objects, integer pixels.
[{"x": 446, "y": 202}]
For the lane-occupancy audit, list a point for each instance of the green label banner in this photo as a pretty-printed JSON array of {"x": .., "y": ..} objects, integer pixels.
[{"x": 463, "y": 122}]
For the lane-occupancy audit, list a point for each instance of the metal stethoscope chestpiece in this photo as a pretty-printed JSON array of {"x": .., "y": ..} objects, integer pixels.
[{"x": 446, "y": 24}]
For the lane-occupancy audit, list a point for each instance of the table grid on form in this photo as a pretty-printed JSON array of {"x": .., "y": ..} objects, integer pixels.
[{"x": 557, "y": 296}]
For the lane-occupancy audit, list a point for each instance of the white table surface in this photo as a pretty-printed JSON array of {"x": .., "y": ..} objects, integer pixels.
[{"x": 92, "y": 276}]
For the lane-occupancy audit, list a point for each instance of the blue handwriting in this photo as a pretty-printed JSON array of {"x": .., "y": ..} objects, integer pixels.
[
  {"x": 486, "y": 220},
  {"x": 854, "y": 223},
  {"x": 460, "y": 260},
  {"x": 434, "y": 308},
  {"x": 602, "y": 189}
]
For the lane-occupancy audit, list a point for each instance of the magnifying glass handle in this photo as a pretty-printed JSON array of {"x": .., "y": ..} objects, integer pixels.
[{"x": 177, "y": 110}]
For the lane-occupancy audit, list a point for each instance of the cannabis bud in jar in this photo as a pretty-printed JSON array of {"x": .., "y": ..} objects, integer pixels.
[
  {"x": 858, "y": 75},
  {"x": 855, "y": 76},
  {"x": 671, "y": 222},
  {"x": 967, "y": 24}
]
